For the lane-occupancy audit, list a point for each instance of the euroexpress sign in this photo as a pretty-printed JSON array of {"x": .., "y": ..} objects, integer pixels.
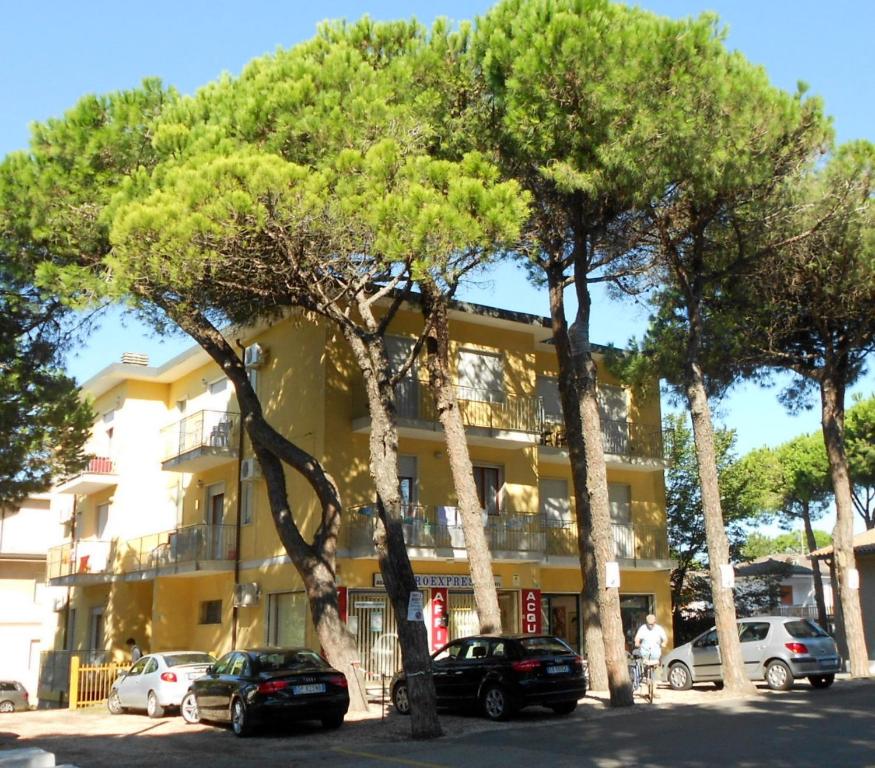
[{"x": 426, "y": 580}]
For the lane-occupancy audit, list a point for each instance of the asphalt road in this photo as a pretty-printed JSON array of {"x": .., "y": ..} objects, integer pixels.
[{"x": 805, "y": 727}]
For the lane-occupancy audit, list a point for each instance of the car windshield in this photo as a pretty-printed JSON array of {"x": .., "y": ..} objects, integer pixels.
[
  {"x": 804, "y": 628},
  {"x": 544, "y": 646},
  {"x": 272, "y": 661},
  {"x": 178, "y": 659}
]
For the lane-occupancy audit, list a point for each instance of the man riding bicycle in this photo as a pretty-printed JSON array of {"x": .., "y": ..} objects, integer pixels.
[{"x": 649, "y": 640}]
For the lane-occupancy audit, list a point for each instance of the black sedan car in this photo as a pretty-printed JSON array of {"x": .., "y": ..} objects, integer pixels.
[
  {"x": 248, "y": 688},
  {"x": 501, "y": 675}
]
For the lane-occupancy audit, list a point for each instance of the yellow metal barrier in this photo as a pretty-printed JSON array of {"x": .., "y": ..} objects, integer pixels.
[{"x": 90, "y": 685}]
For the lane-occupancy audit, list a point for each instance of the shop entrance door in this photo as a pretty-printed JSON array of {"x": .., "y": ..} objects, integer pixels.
[
  {"x": 463, "y": 615},
  {"x": 372, "y": 621}
]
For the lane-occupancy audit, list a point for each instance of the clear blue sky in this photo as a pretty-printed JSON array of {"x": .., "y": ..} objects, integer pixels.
[{"x": 53, "y": 52}]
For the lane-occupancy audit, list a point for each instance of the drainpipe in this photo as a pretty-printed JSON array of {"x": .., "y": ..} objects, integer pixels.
[{"x": 237, "y": 530}]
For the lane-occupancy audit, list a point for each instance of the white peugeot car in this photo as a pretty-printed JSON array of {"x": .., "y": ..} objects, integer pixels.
[{"x": 157, "y": 681}]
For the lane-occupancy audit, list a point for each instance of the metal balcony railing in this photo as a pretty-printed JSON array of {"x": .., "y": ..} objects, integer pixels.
[
  {"x": 84, "y": 556},
  {"x": 620, "y": 438},
  {"x": 188, "y": 544},
  {"x": 439, "y": 528},
  {"x": 216, "y": 430},
  {"x": 484, "y": 408},
  {"x": 631, "y": 541}
]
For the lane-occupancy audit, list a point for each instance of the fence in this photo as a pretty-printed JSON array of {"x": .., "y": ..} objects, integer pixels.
[{"x": 90, "y": 685}]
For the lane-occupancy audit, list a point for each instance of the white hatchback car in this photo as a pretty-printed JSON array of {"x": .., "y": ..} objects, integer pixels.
[{"x": 157, "y": 681}]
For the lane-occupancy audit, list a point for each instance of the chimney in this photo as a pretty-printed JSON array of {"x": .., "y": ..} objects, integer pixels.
[{"x": 135, "y": 358}]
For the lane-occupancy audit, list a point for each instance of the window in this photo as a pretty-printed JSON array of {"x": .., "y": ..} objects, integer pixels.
[
  {"x": 620, "y": 501},
  {"x": 488, "y": 481},
  {"x": 247, "y": 503},
  {"x": 152, "y": 666},
  {"x": 95, "y": 632},
  {"x": 633, "y": 611},
  {"x": 138, "y": 667},
  {"x": 287, "y": 619},
  {"x": 102, "y": 519},
  {"x": 398, "y": 349},
  {"x": 224, "y": 664},
  {"x": 481, "y": 376},
  {"x": 753, "y": 632},
  {"x": 786, "y": 594},
  {"x": 548, "y": 392},
  {"x": 218, "y": 386},
  {"x": 407, "y": 480},
  {"x": 554, "y": 502},
  {"x": 211, "y": 612},
  {"x": 238, "y": 665},
  {"x": 612, "y": 403}
]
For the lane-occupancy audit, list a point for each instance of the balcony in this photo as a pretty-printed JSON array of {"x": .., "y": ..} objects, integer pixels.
[
  {"x": 436, "y": 532},
  {"x": 634, "y": 544},
  {"x": 204, "y": 440},
  {"x": 79, "y": 563},
  {"x": 97, "y": 476},
  {"x": 626, "y": 444},
  {"x": 183, "y": 550},
  {"x": 488, "y": 416}
]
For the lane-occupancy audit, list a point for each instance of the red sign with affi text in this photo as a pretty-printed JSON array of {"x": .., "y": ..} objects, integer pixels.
[
  {"x": 531, "y": 611},
  {"x": 440, "y": 630}
]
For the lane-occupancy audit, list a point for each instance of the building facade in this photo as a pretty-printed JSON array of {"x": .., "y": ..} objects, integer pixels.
[{"x": 172, "y": 542}]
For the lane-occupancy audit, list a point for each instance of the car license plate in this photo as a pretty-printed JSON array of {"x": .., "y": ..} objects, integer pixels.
[
  {"x": 299, "y": 690},
  {"x": 828, "y": 662},
  {"x": 558, "y": 669}
]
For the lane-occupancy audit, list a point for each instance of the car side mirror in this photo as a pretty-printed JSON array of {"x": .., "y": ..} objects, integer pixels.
[{"x": 211, "y": 670}]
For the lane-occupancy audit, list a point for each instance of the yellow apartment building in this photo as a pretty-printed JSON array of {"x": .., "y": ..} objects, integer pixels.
[{"x": 171, "y": 540}]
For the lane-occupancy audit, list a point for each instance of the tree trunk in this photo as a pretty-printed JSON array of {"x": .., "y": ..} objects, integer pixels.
[
  {"x": 832, "y": 419},
  {"x": 434, "y": 310},
  {"x": 597, "y": 482},
  {"x": 594, "y": 645},
  {"x": 734, "y": 677},
  {"x": 315, "y": 563},
  {"x": 389, "y": 542},
  {"x": 815, "y": 567}
]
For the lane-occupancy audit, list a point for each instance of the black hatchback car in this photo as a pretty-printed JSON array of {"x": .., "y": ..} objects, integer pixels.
[
  {"x": 501, "y": 675},
  {"x": 248, "y": 688}
]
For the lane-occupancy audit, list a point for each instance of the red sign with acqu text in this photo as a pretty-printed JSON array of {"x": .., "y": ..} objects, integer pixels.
[{"x": 531, "y": 611}]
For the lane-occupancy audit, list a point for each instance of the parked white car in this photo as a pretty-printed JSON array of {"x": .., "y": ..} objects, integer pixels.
[{"x": 157, "y": 682}]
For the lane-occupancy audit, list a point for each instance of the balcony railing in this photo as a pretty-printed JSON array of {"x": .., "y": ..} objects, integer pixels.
[
  {"x": 631, "y": 541},
  {"x": 620, "y": 438},
  {"x": 200, "y": 441},
  {"x": 518, "y": 535},
  {"x": 83, "y": 557},
  {"x": 98, "y": 475},
  {"x": 182, "y": 546},
  {"x": 480, "y": 408}
]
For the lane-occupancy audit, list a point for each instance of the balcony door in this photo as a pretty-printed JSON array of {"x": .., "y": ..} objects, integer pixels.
[
  {"x": 398, "y": 350},
  {"x": 554, "y": 502},
  {"x": 620, "y": 501},
  {"x": 215, "y": 520},
  {"x": 489, "y": 482},
  {"x": 614, "y": 412}
]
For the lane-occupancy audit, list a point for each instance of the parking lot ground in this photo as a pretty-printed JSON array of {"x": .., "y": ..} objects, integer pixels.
[{"x": 93, "y": 738}]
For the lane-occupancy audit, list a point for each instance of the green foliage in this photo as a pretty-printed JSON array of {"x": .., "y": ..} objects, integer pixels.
[
  {"x": 860, "y": 446},
  {"x": 43, "y": 423},
  {"x": 760, "y": 545},
  {"x": 739, "y": 483}
]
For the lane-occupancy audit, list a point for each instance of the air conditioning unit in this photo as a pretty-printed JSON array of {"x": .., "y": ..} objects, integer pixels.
[
  {"x": 254, "y": 356},
  {"x": 250, "y": 469},
  {"x": 247, "y": 595}
]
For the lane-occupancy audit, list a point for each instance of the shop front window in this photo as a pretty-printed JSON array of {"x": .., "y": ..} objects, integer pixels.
[{"x": 634, "y": 610}]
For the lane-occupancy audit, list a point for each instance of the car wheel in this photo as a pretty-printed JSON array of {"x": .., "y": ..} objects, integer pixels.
[
  {"x": 565, "y": 708},
  {"x": 7, "y": 706},
  {"x": 821, "y": 681},
  {"x": 718, "y": 684},
  {"x": 153, "y": 708},
  {"x": 240, "y": 721},
  {"x": 114, "y": 704},
  {"x": 189, "y": 709},
  {"x": 778, "y": 676},
  {"x": 334, "y": 720},
  {"x": 496, "y": 705},
  {"x": 401, "y": 699},
  {"x": 679, "y": 677}
]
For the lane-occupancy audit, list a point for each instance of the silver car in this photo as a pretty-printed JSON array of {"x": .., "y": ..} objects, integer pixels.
[
  {"x": 777, "y": 649},
  {"x": 157, "y": 681},
  {"x": 13, "y": 696}
]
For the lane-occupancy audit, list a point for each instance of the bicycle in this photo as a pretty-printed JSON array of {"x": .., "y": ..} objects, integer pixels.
[{"x": 643, "y": 673}]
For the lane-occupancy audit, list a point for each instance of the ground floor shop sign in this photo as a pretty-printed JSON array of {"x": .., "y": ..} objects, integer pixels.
[
  {"x": 440, "y": 625},
  {"x": 531, "y": 611}
]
